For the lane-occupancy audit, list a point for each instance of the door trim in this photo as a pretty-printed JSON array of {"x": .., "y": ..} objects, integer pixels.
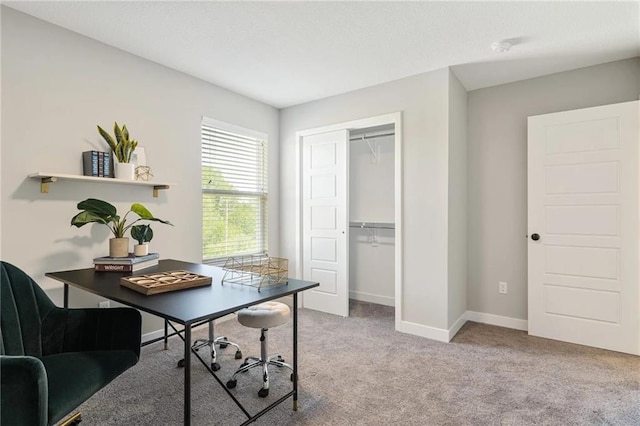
[{"x": 392, "y": 118}]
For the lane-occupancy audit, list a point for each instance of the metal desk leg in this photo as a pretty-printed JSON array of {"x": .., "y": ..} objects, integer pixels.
[
  {"x": 65, "y": 300},
  {"x": 187, "y": 374},
  {"x": 166, "y": 334},
  {"x": 295, "y": 352}
]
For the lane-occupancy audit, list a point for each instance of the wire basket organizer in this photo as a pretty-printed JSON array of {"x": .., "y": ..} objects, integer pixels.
[{"x": 256, "y": 270}]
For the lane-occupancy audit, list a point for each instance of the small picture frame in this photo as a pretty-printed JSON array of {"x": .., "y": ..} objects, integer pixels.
[{"x": 139, "y": 157}]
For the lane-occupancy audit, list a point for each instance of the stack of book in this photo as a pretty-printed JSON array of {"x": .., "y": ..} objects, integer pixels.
[
  {"x": 130, "y": 263},
  {"x": 97, "y": 163}
]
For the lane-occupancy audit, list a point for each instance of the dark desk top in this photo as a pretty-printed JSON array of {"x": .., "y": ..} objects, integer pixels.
[{"x": 183, "y": 306}]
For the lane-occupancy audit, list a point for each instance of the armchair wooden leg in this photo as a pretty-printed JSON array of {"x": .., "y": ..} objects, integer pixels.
[{"x": 73, "y": 420}]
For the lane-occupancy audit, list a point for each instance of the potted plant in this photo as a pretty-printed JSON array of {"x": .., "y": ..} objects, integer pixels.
[
  {"x": 122, "y": 148},
  {"x": 142, "y": 234},
  {"x": 99, "y": 211}
]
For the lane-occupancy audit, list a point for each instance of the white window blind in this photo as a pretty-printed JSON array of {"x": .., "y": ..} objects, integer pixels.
[{"x": 234, "y": 192}]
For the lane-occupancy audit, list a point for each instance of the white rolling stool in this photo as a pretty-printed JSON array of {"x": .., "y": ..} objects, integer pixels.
[{"x": 263, "y": 316}]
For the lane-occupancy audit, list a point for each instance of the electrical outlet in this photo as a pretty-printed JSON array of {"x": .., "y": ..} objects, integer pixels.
[
  {"x": 104, "y": 304},
  {"x": 502, "y": 287}
]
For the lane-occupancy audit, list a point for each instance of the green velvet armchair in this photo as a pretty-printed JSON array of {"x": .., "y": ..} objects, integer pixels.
[{"x": 53, "y": 359}]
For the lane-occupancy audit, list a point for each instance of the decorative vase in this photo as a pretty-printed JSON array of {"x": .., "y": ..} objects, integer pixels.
[
  {"x": 119, "y": 247},
  {"x": 141, "y": 249},
  {"x": 125, "y": 171}
]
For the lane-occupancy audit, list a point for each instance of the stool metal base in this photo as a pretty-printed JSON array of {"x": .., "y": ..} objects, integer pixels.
[
  {"x": 263, "y": 361},
  {"x": 211, "y": 342}
]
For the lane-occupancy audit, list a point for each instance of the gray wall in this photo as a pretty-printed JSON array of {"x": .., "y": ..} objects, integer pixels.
[
  {"x": 56, "y": 87},
  {"x": 497, "y": 175},
  {"x": 457, "y": 248}
]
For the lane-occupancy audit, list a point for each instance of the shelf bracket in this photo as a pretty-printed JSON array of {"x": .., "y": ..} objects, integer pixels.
[
  {"x": 158, "y": 187},
  {"x": 373, "y": 149},
  {"x": 44, "y": 183}
]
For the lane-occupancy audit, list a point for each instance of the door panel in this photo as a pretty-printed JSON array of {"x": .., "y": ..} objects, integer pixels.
[
  {"x": 583, "y": 201},
  {"x": 325, "y": 221},
  {"x": 581, "y": 220}
]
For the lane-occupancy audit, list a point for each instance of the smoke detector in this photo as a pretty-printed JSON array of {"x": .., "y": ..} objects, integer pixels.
[{"x": 501, "y": 46}]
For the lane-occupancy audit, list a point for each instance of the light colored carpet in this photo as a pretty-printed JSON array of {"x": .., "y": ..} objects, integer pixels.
[{"x": 359, "y": 371}]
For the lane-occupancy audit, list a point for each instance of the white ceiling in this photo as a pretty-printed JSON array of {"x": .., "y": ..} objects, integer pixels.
[{"x": 286, "y": 53}]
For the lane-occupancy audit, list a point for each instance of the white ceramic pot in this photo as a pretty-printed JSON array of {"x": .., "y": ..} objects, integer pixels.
[
  {"x": 141, "y": 249},
  {"x": 119, "y": 247},
  {"x": 125, "y": 171}
]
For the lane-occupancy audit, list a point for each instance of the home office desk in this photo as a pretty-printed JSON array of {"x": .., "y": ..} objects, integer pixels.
[{"x": 191, "y": 307}]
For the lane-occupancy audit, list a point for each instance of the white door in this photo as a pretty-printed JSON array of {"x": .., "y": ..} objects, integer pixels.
[
  {"x": 325, "y": 223},
  {"x": 583, "y": 206}
]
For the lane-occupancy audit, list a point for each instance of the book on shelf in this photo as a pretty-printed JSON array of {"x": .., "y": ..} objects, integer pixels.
[
  {"x": 100, "y": 163},
  {"x": 107, "y": 167},
  {"x": 129, "y": 260},
  {"x": 133, "y": 267},
  {"x": 90, "y": 163},
  {"x": 97, "y": 163}
]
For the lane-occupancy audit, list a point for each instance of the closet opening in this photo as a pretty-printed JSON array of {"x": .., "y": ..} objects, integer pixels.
[{"x": 371, "y": 203}]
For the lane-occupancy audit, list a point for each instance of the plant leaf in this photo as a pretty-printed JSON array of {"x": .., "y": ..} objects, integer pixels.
[
  {"x": 145, "y": 214},
  {"x": 117, "y": 132},
  {"x": 85, "y": 217},
  {"x": 107, "y": 137},
  {"x": 125, "y": 132},
  {"x": 141, "y": 211},
  {"x": 155, "y": 219},
  {"x": 134, "y": 144},
  {"x": 142, "y": 233},
  {"x": 98, "y": 207}
]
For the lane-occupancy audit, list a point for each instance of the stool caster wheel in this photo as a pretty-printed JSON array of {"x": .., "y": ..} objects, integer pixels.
[
  {"x": 231, "y": 384},
  {"x": 181, "y": 363},
  {"x": 238, "y": 355},
  {"x": 263, "y": 393},
  {"x": 280, "y": 359},
  {"x": 215, "y": 366},
  {"x": 223, "y": 344}
]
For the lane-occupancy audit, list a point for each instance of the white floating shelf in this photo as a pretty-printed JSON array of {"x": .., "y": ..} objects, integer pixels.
[{"x": 47, "y": 178}]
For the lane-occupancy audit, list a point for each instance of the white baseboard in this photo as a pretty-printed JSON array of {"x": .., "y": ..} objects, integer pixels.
[
  {"x": 372, "y": 298},
  {"x": 453, "y": 330},
  {"x": 499, "y": 320},
  {"x": 438, "y": 334},
  {"x": 443, "y": 335},
  {"x": 160, "y": 333},
  {"x": 152, "y": 335}
]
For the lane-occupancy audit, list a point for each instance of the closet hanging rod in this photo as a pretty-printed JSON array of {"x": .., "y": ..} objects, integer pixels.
[
  {"x": 372, "y": 225},
  {"x": 360, "y": 138}
]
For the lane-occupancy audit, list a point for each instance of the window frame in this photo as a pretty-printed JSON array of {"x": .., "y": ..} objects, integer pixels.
[{"x": 263, "y": 196}]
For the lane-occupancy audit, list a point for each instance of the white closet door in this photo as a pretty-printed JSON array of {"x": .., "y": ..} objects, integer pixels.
[
  {"x": 325, "y": 221},
  {"x": 583, "y": 206}
]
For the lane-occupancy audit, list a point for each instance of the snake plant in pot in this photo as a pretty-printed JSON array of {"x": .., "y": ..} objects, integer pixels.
[
  {"x": 122, "y": 148},
  {"x": 98, "y": 211}
]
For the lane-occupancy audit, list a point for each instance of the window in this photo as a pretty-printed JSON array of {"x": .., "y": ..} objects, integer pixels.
[{"x": 234, "y": 191}]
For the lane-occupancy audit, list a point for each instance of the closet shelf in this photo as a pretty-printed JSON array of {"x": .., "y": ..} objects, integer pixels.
[
  {"x": 46, "y": 178},
  {"x": 372, "y": 225}
]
